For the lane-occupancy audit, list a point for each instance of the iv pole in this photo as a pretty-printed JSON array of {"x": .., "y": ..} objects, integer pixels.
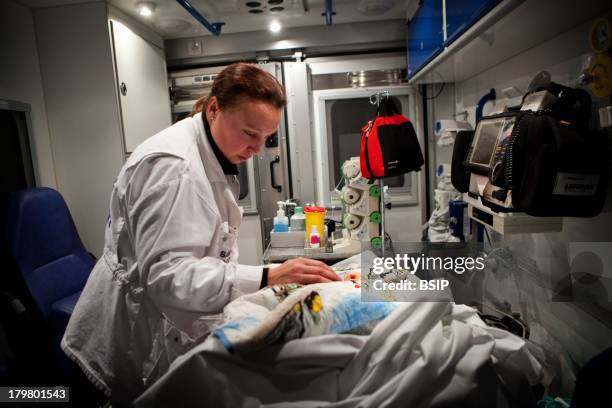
[{"x": 375, "y": 100}]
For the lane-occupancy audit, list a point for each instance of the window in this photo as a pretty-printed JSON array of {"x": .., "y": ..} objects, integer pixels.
[
  {"x": 339, "y": 116},
  {"x": 17, "y": 166}
]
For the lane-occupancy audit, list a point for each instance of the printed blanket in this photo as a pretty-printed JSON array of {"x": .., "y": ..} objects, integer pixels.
[{"x": 286, "y": 312}]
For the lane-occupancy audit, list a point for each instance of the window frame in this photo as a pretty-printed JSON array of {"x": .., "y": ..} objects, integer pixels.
[{"x": 399, "y": 196}]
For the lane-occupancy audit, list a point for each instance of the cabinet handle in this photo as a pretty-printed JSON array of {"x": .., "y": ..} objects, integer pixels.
[
  {"x": 123, "y": 88},
  {"x": 272, "y": 163}
]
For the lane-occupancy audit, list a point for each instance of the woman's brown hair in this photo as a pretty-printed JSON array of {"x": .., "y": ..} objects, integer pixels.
[{"x": 243, "y": 81}]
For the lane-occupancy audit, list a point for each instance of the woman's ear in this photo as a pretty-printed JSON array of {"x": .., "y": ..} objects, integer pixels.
[{"x": 212, "y": 109}]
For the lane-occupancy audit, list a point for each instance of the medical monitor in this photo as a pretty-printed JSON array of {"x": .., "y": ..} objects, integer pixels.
[{"x": 482, "y": 149}]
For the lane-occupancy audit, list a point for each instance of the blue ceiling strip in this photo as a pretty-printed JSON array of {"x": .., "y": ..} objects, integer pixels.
[
  {"x": 214, "y": 28},
  {"x": 328, "y": 12}
]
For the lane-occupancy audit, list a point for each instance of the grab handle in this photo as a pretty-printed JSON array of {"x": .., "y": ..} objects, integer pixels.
[{"x": 276, "y": 160}]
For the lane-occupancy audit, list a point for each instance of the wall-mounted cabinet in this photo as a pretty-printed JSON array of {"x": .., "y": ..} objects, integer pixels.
[
  {"x": 142, "y": 84},
  {"x": 436, "y": 24},
  {"x": 483, "y": 33},
  {"x": 462, "y": 14},
  {"x": 425, "y": 35}
]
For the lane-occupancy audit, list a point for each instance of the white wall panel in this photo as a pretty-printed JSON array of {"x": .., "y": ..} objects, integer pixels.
[{"x": 79, "y": 84}]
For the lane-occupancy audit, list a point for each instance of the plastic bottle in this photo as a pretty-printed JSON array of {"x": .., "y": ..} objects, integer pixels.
[
  {"x": 315, "y": 238},
  {"x": 298, "y": 220},
  {"x": 281, "y": 222}
]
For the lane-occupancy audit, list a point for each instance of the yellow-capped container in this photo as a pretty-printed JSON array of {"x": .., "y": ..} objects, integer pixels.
[{"x": 315, "y": 216}]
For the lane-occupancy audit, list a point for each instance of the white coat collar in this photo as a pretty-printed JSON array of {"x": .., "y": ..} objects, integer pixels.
[{"x": 211, "y": 164}]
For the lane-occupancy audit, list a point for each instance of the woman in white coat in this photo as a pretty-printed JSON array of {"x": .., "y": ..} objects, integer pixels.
[{"x": 169, "y": 264}]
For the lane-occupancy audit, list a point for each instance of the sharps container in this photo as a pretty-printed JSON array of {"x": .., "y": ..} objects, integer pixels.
[{"x": 315, "y": 216}]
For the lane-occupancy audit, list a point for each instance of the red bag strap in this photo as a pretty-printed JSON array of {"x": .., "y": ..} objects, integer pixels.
[{"x": 366, "y": 154}]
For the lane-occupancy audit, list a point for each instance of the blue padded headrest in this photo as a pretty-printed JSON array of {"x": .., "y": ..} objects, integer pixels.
[{"x": 46, "y": 245}]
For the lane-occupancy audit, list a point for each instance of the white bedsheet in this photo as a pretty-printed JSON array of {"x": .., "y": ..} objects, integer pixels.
[{"x": 425, "y": 354}]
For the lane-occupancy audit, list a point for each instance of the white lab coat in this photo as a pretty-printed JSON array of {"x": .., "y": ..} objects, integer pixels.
[{"x": 169, "y": 264}]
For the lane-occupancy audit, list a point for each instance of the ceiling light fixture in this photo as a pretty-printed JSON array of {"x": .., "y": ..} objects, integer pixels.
[
  {"x": 145, "y": 8},
  {"x": 275, "y": 26}
]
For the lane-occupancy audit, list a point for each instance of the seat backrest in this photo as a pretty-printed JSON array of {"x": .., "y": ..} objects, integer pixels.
[{"x": 46, "y": 246}]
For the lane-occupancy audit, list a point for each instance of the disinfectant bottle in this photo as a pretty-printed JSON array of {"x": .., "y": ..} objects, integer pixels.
[
  {"x": 281, "y": 222},
  {"x": 315, "y": 238},
  {"x": 298, "y": 220}
]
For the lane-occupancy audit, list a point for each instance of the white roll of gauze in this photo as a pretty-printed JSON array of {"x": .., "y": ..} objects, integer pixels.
[
  {"x": 352, "y": 221},
  {"x": 350, "y": 169},
  {"x": 350, "y": 195}
]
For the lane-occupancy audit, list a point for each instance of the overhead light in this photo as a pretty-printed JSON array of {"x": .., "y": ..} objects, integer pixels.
[
  {"x": 145, "y": 8},
  {"x": 275, "y": 26}
]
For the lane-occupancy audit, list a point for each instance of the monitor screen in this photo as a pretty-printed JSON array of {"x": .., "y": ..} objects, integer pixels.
[{"x": 484, "y": 142}]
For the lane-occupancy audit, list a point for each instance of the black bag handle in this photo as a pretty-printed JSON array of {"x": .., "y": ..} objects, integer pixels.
[
  {"x": 387, "y": 107},
  {"x": 572, "y": 100}
]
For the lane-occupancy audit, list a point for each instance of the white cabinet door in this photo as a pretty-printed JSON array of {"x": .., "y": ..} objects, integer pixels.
[{"x": 143, "y": 86}]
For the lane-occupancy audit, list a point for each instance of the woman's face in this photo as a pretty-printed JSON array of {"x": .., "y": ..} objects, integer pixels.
[{"x": 241, "y": 130}]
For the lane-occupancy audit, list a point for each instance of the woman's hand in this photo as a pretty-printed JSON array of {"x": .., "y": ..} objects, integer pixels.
[{"x": 301, "y": 270}]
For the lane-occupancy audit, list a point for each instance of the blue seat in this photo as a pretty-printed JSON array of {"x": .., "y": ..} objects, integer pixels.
[{"x": 49, "y": 254}]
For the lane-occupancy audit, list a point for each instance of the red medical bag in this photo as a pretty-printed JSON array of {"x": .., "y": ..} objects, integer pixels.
[{"x": 389, "y": 145}]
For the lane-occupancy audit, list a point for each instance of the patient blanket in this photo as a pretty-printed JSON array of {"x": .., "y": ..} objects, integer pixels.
[
  {"x": 287, "y": 312},
  {"x": 423, "y": 354}
]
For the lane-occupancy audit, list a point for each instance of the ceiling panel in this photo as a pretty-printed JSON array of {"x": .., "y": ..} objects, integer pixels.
[{"x": 170, "y": 20}]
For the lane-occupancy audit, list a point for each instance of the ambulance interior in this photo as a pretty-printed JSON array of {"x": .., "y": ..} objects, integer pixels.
[{"x": 82, "y": 83}]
